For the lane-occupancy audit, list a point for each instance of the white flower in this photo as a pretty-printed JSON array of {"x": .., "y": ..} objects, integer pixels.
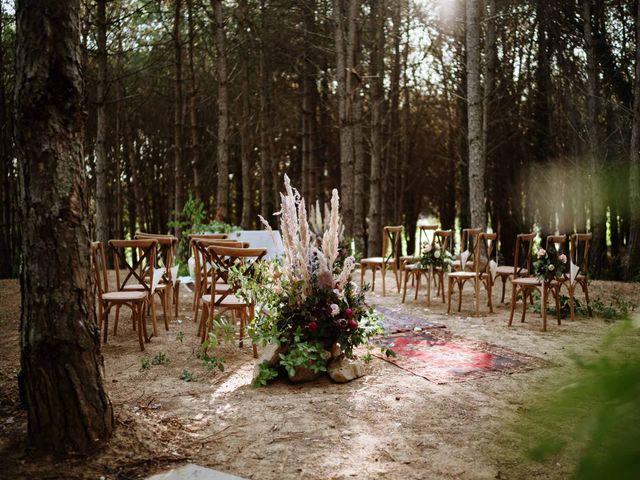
[
  {"x": 541, "y": 253},
  {"x": 335, "y": 309},
  {"x": 563, "y": 258},
  {"x": 427, "y": 248},
  {"x": 437, "y": 254},
  {"x": 551, "y": 267}
]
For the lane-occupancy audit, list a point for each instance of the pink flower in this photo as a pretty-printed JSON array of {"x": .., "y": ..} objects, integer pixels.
[
  {"x": 541, "y": 253},
  {"x": 312, "y": 326},
  {"x": 352, "y": 324},
  {"x": 563, "y": 258},
  {"x": 427, "y": 248},
  {"x": 348, "y": 313},
  {"x": 342, "y": 323},
  {"x": 335, "y": 309}
]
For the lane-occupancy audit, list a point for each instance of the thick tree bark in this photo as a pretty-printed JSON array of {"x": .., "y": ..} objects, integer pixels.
[
  {"x": 474, "y": 101},
  {"x": 633, "y": 247},
  {"x": 597, "y": 210},
  {"x": 6, "y": 254},
  {"x": 309, "y": 103},
  {"x": 374, "y": 232},
  {"x": 102, "y": 195},
  {"x": 359, "y": 166},
  {"x": 222, "y": 196},
  {"x": 491, "y": 62},
  {"x": 178, "y": 119},
  {"x": 68, "y": 408}
]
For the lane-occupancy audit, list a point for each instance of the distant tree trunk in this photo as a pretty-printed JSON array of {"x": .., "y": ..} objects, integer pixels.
[
  {"x": 309, "y": 102},
  {"x": 178, "y": 195},
  {"x": 6, "y": 254},
  {"x": 102, "y": 202},
  {"x": 347, "y": 78},
  {"x": 491, "y": 62},
  {"x": 68, "y": 409},
  {"x": 266, "y": 187},
  {"x": 194, "y": 144},
  {"x": 633, "y": 247},
  {"x": 359, "y": 166},
  {"x": 597, "y": 210},
  {"x": 222, "y": 197},
  {"x": 391, "y": 174},
  {"x": 245, "y": 147},
  {"x": 374, "y": 233},
  {"x": 474, "y": 101}
]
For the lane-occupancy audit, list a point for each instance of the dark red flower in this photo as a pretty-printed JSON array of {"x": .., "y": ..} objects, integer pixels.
[
  {"x": 312, "y": 326},
  {"x": 342, "y": 323},
  {"x": 348, "y": 313},
  {"x": 352, "y": 324}
]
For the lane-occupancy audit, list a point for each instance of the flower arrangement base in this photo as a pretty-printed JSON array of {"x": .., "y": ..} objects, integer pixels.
[
  {"x": 304, "y": 374},
  {"x": 344, "y": 370}
]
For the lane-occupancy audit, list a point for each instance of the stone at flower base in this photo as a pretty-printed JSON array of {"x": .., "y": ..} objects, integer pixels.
[
  {"x": 343, "y": 369},
  {"x": 270, "y": 355},
  {"x": 304, "y": 374}
]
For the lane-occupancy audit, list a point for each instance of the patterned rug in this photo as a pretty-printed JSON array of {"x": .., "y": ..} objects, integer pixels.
[
  {"x": 441, "y": 357},
  {"x": 396, "y": 321}
]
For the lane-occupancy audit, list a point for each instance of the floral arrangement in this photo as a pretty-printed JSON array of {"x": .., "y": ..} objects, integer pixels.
[
  {"x": 549, "y": 264},
  {"x": 311, "y": 312},
  {"x": 434, "y": 256}
]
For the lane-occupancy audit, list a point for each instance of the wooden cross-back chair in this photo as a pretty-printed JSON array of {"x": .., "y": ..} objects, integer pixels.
[
  {"x": 163, "y": 251},
  {"x": 521, "y": 260},
  {"x": 440, "y": 239},
  {"x": 199, "y": 248},
  {"x": 141, "y": 273},
  {"x": 528, "y": 284},
  {"x": 107, "y": 299},
  {"x": 579, "y": 245},
  {"x": 468, "y": 240},
  {"x": 390, "y": 257},
  {"x": 223, "y": 295},
  {"x": 423, "y": 239},
  {"x": 484, "y": 245}
]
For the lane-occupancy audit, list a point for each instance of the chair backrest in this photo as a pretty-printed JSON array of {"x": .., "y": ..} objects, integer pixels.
[
  {"x": 579, "y": 250},
  {"x": 483, "y": 253},
  {"x": 208, "y": 236},
  {"x": 391, "y": 238},
  {"x": 224, "y": 258},
  {"x": 442, "y": 239},
  {"x": 468, "y": 239},
  {"x": 199, "y": 247},
  {"x": 426, "y": 235},
  {"x": 145, "y": 262},
  {"x": 558, "y": 242},
  {"x": 522, "y": 253},
  {"x": 165, "y": 251},
  {"x": 99, "y": 263}
]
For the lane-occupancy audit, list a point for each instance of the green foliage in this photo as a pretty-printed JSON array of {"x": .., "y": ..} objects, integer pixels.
[
  {"x": 434, "y": 256},
  {"x": 549, "y": 264},
  {"x": 595, "y": 416},
  {"x": 266, "y": 374},
  {"x": 304, "y": 354},
  {"x": 193, "y": 220},
  {"x": 180, "y": 336},
  {"x": 145, "y": 363},
  {"x": 186, "y": 375},
  {"x": 616, "y": 308},
  {"x": 221, "y": 331},
  {"x": 160, "y": 358}
]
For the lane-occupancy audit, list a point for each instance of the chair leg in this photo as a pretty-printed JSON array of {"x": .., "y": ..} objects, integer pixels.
[
  {"x": 476, "y": 284},
  {"x": 243, "y": 316},
  {"x": 504, "y": 283},
  {"x": 525, "y": 293},
  {"x": 167, "y": 307},
  {"x": 176, "y": 298},
  {"x": 450, "y": 285},
  {"x": 513, "y": 303},
  {"x": 362, "y": 270},
  {"x": 572, "y": 302},
  {"x": 428, "y": 288},
  {"x": 556, "y": 294},
  {"x": 398, "y": 276},
  {"x": 489, "y": 294},
  {"x": 153, "y": 315},
  {"x": 585, "y": 289},
  {"x": 441, "y": 282},
  {"x": 418, "y": 283},
  {"x": 544, "y": 308},
  {"x": 143, "y": 321},
  {"x": 406, "y": 279},
  {"x": 460, "y": 287},
  {"x": 373, "y": 279},
  {"x": 105, "y": 320},
  {"x": 115, "y": 322},
  {"x": 205, "y": 313},
  {"x": 384, "y": 274},
  {"x": 137, "y": 312}
]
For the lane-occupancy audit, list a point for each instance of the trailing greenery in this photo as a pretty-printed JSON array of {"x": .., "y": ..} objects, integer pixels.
[
  {"x": 186, "y": 375},
  {"x": 595, "y": 417},
  {"x": 616, "y": 308}
]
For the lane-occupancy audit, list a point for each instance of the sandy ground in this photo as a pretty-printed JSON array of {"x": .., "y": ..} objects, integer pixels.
[{"x": 388, "y": 424}]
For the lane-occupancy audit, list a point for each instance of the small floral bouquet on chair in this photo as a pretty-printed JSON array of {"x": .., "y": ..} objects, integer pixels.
[
  {"x": 549, "y": 264},
  {"x": 436, "y": 257}
]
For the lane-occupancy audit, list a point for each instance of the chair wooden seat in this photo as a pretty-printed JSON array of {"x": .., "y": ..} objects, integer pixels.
[
  {"x": 409, "y": 258},
  {"x": 412, "y": 267},
  {"x": 462, "y": 274},
  {"x": 139, "y": 288},
  {"x": 377, "y": 260},
  {"x": 508, "y": 270},
  {"x": 228, "y": 301},
  {"x": 124, "y": 296},
  {"x": 527, "y": 281}
]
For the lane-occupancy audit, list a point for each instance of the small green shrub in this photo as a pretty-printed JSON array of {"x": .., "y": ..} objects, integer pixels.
[
  {"x": 186, "y": 375},
  {"x": 160, "y": 358}
]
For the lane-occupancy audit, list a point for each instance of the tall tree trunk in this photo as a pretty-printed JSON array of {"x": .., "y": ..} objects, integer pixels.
[
  {"x": 491, "y": 62},
  {"x": 393, "y": 214},
  {"x": 359, "y": 166},
  {"x": 245, "y": 147},
  {"x": 222, "y": 196},
  {"x": 6, "y": 254},
  {"x": 474, "y": 101},
  {"x": 68, "y": 409},
  {"x": 345, "y": 38},
  {"x": 374, "y": 232},
  {"x": 102, "y": 202},
  {"x": 309, "y": 102},
  {"x": 194, "y": 144},
  {"x": 633, "y": 247},
  {"x": 597, "y": 210},
  {"x": 178, "y": 195},
  {"x": 266, "y": 177}
]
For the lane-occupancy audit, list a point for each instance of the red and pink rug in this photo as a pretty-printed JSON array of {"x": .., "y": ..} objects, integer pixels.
[{"x": 441, "y": 357}]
